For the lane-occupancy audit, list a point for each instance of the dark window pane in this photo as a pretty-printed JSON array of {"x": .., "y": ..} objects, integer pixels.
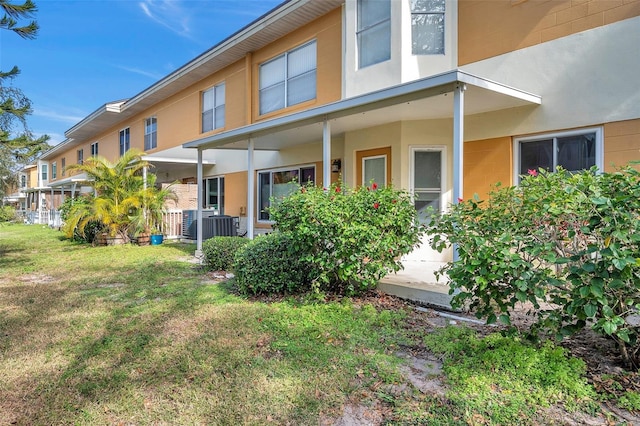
[
  {"x": 536, "y": 154},
  {"x": 577, "y": 152}
]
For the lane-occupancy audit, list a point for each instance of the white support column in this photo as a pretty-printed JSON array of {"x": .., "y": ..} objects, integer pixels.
[
  {"x": 199, "y": 201},
  {"x": 326, "y": 154},
  {"x": 73, "y": 191},
  {"x": 144, "y": 177},
  {"x": 251, "y": 185},
  {"x": 458, "y": 149}
]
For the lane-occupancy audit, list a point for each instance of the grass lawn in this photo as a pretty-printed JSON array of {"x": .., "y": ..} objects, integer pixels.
[{"x": 139, "y": 335}]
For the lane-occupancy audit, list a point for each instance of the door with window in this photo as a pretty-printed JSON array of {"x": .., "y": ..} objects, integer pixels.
[
  {"x": 214, "y": 194},
  {"x": 373, "y": 165},
  {"x": 427, "y": 179}
]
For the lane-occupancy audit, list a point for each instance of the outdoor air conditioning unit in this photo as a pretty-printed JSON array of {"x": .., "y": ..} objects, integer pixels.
[
  {"x": 219, "y": 226},
  {"x": 189, "y": 225}
]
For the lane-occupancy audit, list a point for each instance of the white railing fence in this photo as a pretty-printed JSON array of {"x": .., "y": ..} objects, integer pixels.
[{"x": 172, "y": 224}]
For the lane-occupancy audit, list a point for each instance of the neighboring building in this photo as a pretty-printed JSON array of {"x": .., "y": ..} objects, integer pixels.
[{"x": 443, "y": 98}]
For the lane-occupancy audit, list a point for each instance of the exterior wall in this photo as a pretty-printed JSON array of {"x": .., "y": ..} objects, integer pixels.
[
  {"x": 575, "y": 78},
  {"x": 489, "y": 28},
  {"x": 621, "y": 143},
  {"x": 403, "y": 65},
  {"x": 487, "y": 162},
  {"x": 327, "y": 31}
]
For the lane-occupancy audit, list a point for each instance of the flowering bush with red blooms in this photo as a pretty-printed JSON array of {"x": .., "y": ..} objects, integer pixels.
[
  {"x": 569, "y": 239},
  {"x": 350, "y": 237}
]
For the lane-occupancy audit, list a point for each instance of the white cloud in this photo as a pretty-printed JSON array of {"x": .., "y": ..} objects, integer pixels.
[
  {"x": 150, "y": 74},
  {"x": 169, "y": 14},
  {"x": 57, "y": 116}
]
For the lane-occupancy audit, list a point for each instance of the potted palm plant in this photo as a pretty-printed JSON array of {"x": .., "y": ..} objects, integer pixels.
[{"x": 153, "y": 201}]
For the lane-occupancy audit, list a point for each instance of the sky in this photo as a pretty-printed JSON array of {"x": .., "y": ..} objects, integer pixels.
[{"x": 91, "y": 52}]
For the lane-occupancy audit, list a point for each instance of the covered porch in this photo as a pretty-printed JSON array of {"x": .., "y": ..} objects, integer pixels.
[{"x": 426, "y": 112}]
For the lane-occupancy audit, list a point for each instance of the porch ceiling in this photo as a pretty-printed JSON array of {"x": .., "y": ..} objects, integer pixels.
[{"x": 430, "y": 98}]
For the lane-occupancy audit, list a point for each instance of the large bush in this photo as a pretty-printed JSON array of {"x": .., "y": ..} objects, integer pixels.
[
  {"x": 7, "y": 214},
  {"x": 269, "y": 264},
  {"x": 219, "y": 252},
  {"x": 571, "y": 240},
  {"x": 350, "y": 237}
]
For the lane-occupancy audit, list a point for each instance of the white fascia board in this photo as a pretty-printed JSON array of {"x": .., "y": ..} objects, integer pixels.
[
  {"x": 493, "y": 86},
  {"x": 175, "y": 160},
  {"x": 423, "y": 88},
  {"x": 112, "y": 107}
]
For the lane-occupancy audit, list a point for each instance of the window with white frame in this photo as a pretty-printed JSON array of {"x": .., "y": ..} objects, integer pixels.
[
  {"x": 23, "y": 181},
  {"x": 373, "y": 32},
  {"x": 288, "y": 79},
  {"x": 214, "y": 194},
  {"x": 94, "y": 149},
  {"x": 45, "y": 171},
  {"x": 427, "y": 27},
  {"x": 213, "y": 108},
  {"x": 280, "y": 183},
  {"x": 150, "y": 133},
  {"x": 80, "y": 156},
  {"x": 426, "y": 180},
  {"x": 54, "y": 170},
  {"x": 125, "y": 141},
  {"x": 573, "y": 151}
]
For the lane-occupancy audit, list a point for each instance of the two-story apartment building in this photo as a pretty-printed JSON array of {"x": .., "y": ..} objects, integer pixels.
[{"x": 441, "y": 97}]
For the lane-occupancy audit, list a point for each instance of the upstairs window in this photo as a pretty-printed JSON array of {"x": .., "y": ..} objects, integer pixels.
[
  {"x": 427, "y": 27},
  {"x": 574, "y": 151},
  {"x": 54, "y": 170},
  {"x": 94, "y": 149},
  {"x": 280, "y": 183},
  {"x": 150, "y": 133},
  {"x": 23, "y": 181},
  {"x": 213, "y": 108},
  {"x": 288, "y": 79},
  {"x": 125, "y": 141},
  {"x": 373, "y": 32},
  {"x": 45, "y": 172},
  {"x": 80, "y": 156}
]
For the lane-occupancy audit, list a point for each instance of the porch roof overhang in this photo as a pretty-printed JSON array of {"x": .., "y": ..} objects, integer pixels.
[
  {"x": 427, "y": 98},
  {"x": 177, "y": 155},
  {"x": 79, "y": 178}
]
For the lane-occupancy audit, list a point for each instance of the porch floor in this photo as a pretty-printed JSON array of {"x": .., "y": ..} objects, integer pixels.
[{"x": 417, "y": 286}]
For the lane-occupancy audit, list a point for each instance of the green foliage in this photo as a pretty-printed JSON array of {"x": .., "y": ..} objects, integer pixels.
[
  {"x": 268, "y": 265},
  {"x": 74, "y": 205},
  {"x": 219, "y": 252},
  {"x": 7, "y": 214},
  {"x": 123, "y": 205},
  {"x": 351, "y": 237},
  {"x": 571, "y": 239},
  {"x": 505, "y": 379}
]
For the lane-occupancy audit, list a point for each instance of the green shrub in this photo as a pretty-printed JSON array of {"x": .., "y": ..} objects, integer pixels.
[
  {"x": 571, "y": 239},
  {"x": 90, "y": 230},
  {"x": 7, "y": 214},
  {"x": 268, "y": 265},
  {"x": 352, "y": 237},
  {"x": 220, "y": 251}
]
